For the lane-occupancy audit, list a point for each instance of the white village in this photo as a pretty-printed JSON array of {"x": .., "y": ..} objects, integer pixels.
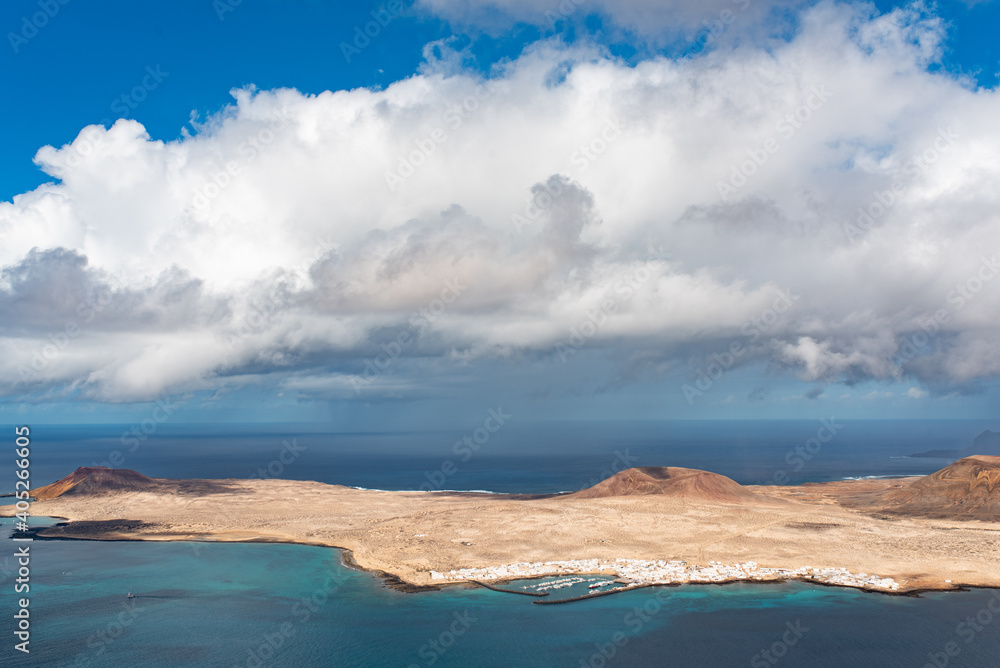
[{"x": 632, "y": 573}]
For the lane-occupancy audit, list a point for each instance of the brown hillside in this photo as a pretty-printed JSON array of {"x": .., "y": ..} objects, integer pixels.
[
  {"x": 969, "y": 488},
  {"x": 669, "y": 481},
  {"x": 94, "y": 480}
]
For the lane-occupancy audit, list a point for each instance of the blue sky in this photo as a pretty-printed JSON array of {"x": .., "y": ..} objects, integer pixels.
[
  {"x": 183, "y": 279},
  {"x": 88, "y": 56}
]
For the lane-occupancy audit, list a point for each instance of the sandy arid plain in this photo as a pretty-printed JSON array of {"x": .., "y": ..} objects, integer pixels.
[{"x": 936, "y": 532}]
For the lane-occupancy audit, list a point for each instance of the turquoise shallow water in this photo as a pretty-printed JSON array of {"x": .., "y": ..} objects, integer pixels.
[{"x": 230, "y": 605}]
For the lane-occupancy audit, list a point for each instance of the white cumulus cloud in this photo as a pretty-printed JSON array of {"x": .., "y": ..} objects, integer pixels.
[{"x": 667, "y": 203}]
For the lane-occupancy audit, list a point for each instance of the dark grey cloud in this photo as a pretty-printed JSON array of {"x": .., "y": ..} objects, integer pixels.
[{"x": 51, "y": 289}]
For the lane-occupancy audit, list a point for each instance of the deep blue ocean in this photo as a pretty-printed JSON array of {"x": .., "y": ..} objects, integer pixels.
[{"x": 250, "y": 605}]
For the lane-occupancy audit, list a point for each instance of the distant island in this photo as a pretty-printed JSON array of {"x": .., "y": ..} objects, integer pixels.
[
  {"x": 644, "y": 526},
  {"x": 987, "y": 443}
]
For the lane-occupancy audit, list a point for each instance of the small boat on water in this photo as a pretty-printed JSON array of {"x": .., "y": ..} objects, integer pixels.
[{"x": 130, "y": 595}]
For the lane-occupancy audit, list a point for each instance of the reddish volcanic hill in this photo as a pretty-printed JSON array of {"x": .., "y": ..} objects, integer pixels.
[
  {"x": 669, "y": 481},
  {"x": 969, "y": 488},
  {"x": 94, "y": 480}
]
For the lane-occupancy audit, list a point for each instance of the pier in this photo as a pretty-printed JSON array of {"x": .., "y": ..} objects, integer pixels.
[{"x": 511, "y": 591}]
